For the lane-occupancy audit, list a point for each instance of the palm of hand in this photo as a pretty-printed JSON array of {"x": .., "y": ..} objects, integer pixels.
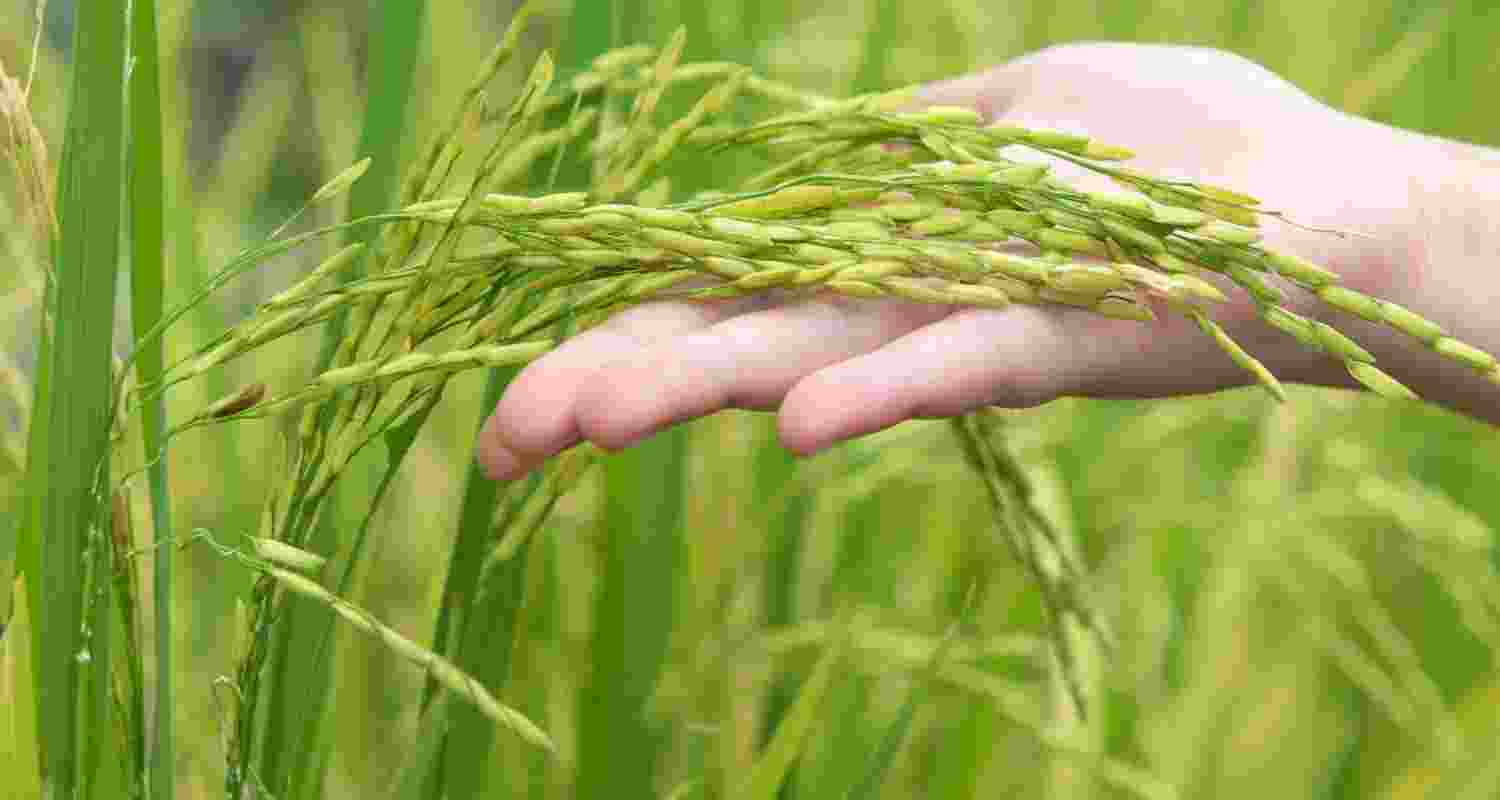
[{"x": 838, "y": 368}]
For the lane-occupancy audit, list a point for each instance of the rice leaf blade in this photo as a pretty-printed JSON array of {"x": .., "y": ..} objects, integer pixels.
[
  {"x": 775, "y": 762},
  {"x": 19, "y": 744},
  {"x": 86, "y": 258},
  {"x": 633, "y": 611},
  {"x": 147, "y": 232},
  {"x": 395, "y": 45}
]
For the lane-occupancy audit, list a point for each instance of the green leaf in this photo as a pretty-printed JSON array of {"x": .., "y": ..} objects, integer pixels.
[
  {"x": 419, "y": 776},
  {"x": 18, "y": 734},
  {"x": 775, "y": 762},
  {"x": 476, "y": 623},
  {"x": 147, "y": 197},
  {"x": 619, "y": 745},
  {"x": 298, "y": 702},
  {"x": 65, "y": 474}
]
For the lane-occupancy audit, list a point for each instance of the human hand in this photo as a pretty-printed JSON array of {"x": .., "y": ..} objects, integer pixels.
[{"x": 838, "y": 367}]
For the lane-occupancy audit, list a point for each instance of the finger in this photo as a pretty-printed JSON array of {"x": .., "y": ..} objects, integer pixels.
[
  {"x": 991, "y": 92},
  {"x": 1016, "y": 357},
  {"x": 748, "y": 361},
  {"x": 535, "y": 417}
]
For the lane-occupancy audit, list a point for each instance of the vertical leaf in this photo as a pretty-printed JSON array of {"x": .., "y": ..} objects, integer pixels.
[
  {"x": 299, "y": 697},
  {"x": 28, "y": 539},
  {"x": 775, "y": 762},
  {"x": 106, "y": 765},
  {"x": 880, "y": 40},
  {"x": 618, "y": 746},
  {"x": 774, "y": 475},
  {"x": 147, "y": 193},
  {"x": 486, "y": 647},
  {"x": 477, "y": 619},
  {"x": 86, "y": 257},
  {"x": 18, "y": 735},
  {"x": 419, "y": 776},
  {"x": 395, "y": 42}
]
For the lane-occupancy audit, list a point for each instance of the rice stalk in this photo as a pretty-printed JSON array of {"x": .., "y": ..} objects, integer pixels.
[
  {"x": 1035, "y": 544},
  {"x": 441, "y": 669},
  {"x": 480, "y": 275}
]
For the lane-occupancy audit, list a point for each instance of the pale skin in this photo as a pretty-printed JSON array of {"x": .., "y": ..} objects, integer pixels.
[{"x": 1424, "y": 214}]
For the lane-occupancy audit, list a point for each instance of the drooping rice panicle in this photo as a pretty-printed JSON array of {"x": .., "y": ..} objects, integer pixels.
[
  {"x": 272, "y": 558},
  {"x": 860, "y": 199},
  {"x": 1239, "y": 356}
]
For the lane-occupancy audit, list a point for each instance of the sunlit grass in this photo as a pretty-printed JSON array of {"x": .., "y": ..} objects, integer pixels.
[{"x": 1302, "y": 598}]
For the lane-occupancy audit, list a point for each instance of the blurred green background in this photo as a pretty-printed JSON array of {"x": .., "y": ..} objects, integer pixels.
[{"x": 1304, "y": 597}]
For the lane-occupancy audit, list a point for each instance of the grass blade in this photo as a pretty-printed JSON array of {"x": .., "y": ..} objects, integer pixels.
[
  {"x": 28, "y": 539},
  {"x": 468, "y": 548},
  {"x": 395, "y": 43},
  {"x": 309, "y": 761},
  {"x": 618, "y": 745},
  {"x": 297, "y": 704},
  {"x": 107, "y": 766},
  {"x": 868, "y": 787},
  {"x": 884, "y": 756},
  {"x": 774, "y": 473},
  {"x": 18, "y": 735},
  {"x": 85, "y": 254},
  {"x": 147, "y": 193},
  {"x": 419, "y": 776},
  {"x": 880, "y": 41},
  {"x": 479, "y": 639},
  {"x": 485, "y": 650},
  {"x": 775, "y": 762}
]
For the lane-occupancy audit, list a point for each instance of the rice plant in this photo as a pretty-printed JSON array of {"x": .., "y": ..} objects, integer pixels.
[{"x": 484, "y": 263}]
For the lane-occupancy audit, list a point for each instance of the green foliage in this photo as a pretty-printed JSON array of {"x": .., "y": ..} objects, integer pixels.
[
  {"x": 68, "y": 525},
  {"x": 1301, "y": 599},
  {"x": 147, "y": 283}
]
